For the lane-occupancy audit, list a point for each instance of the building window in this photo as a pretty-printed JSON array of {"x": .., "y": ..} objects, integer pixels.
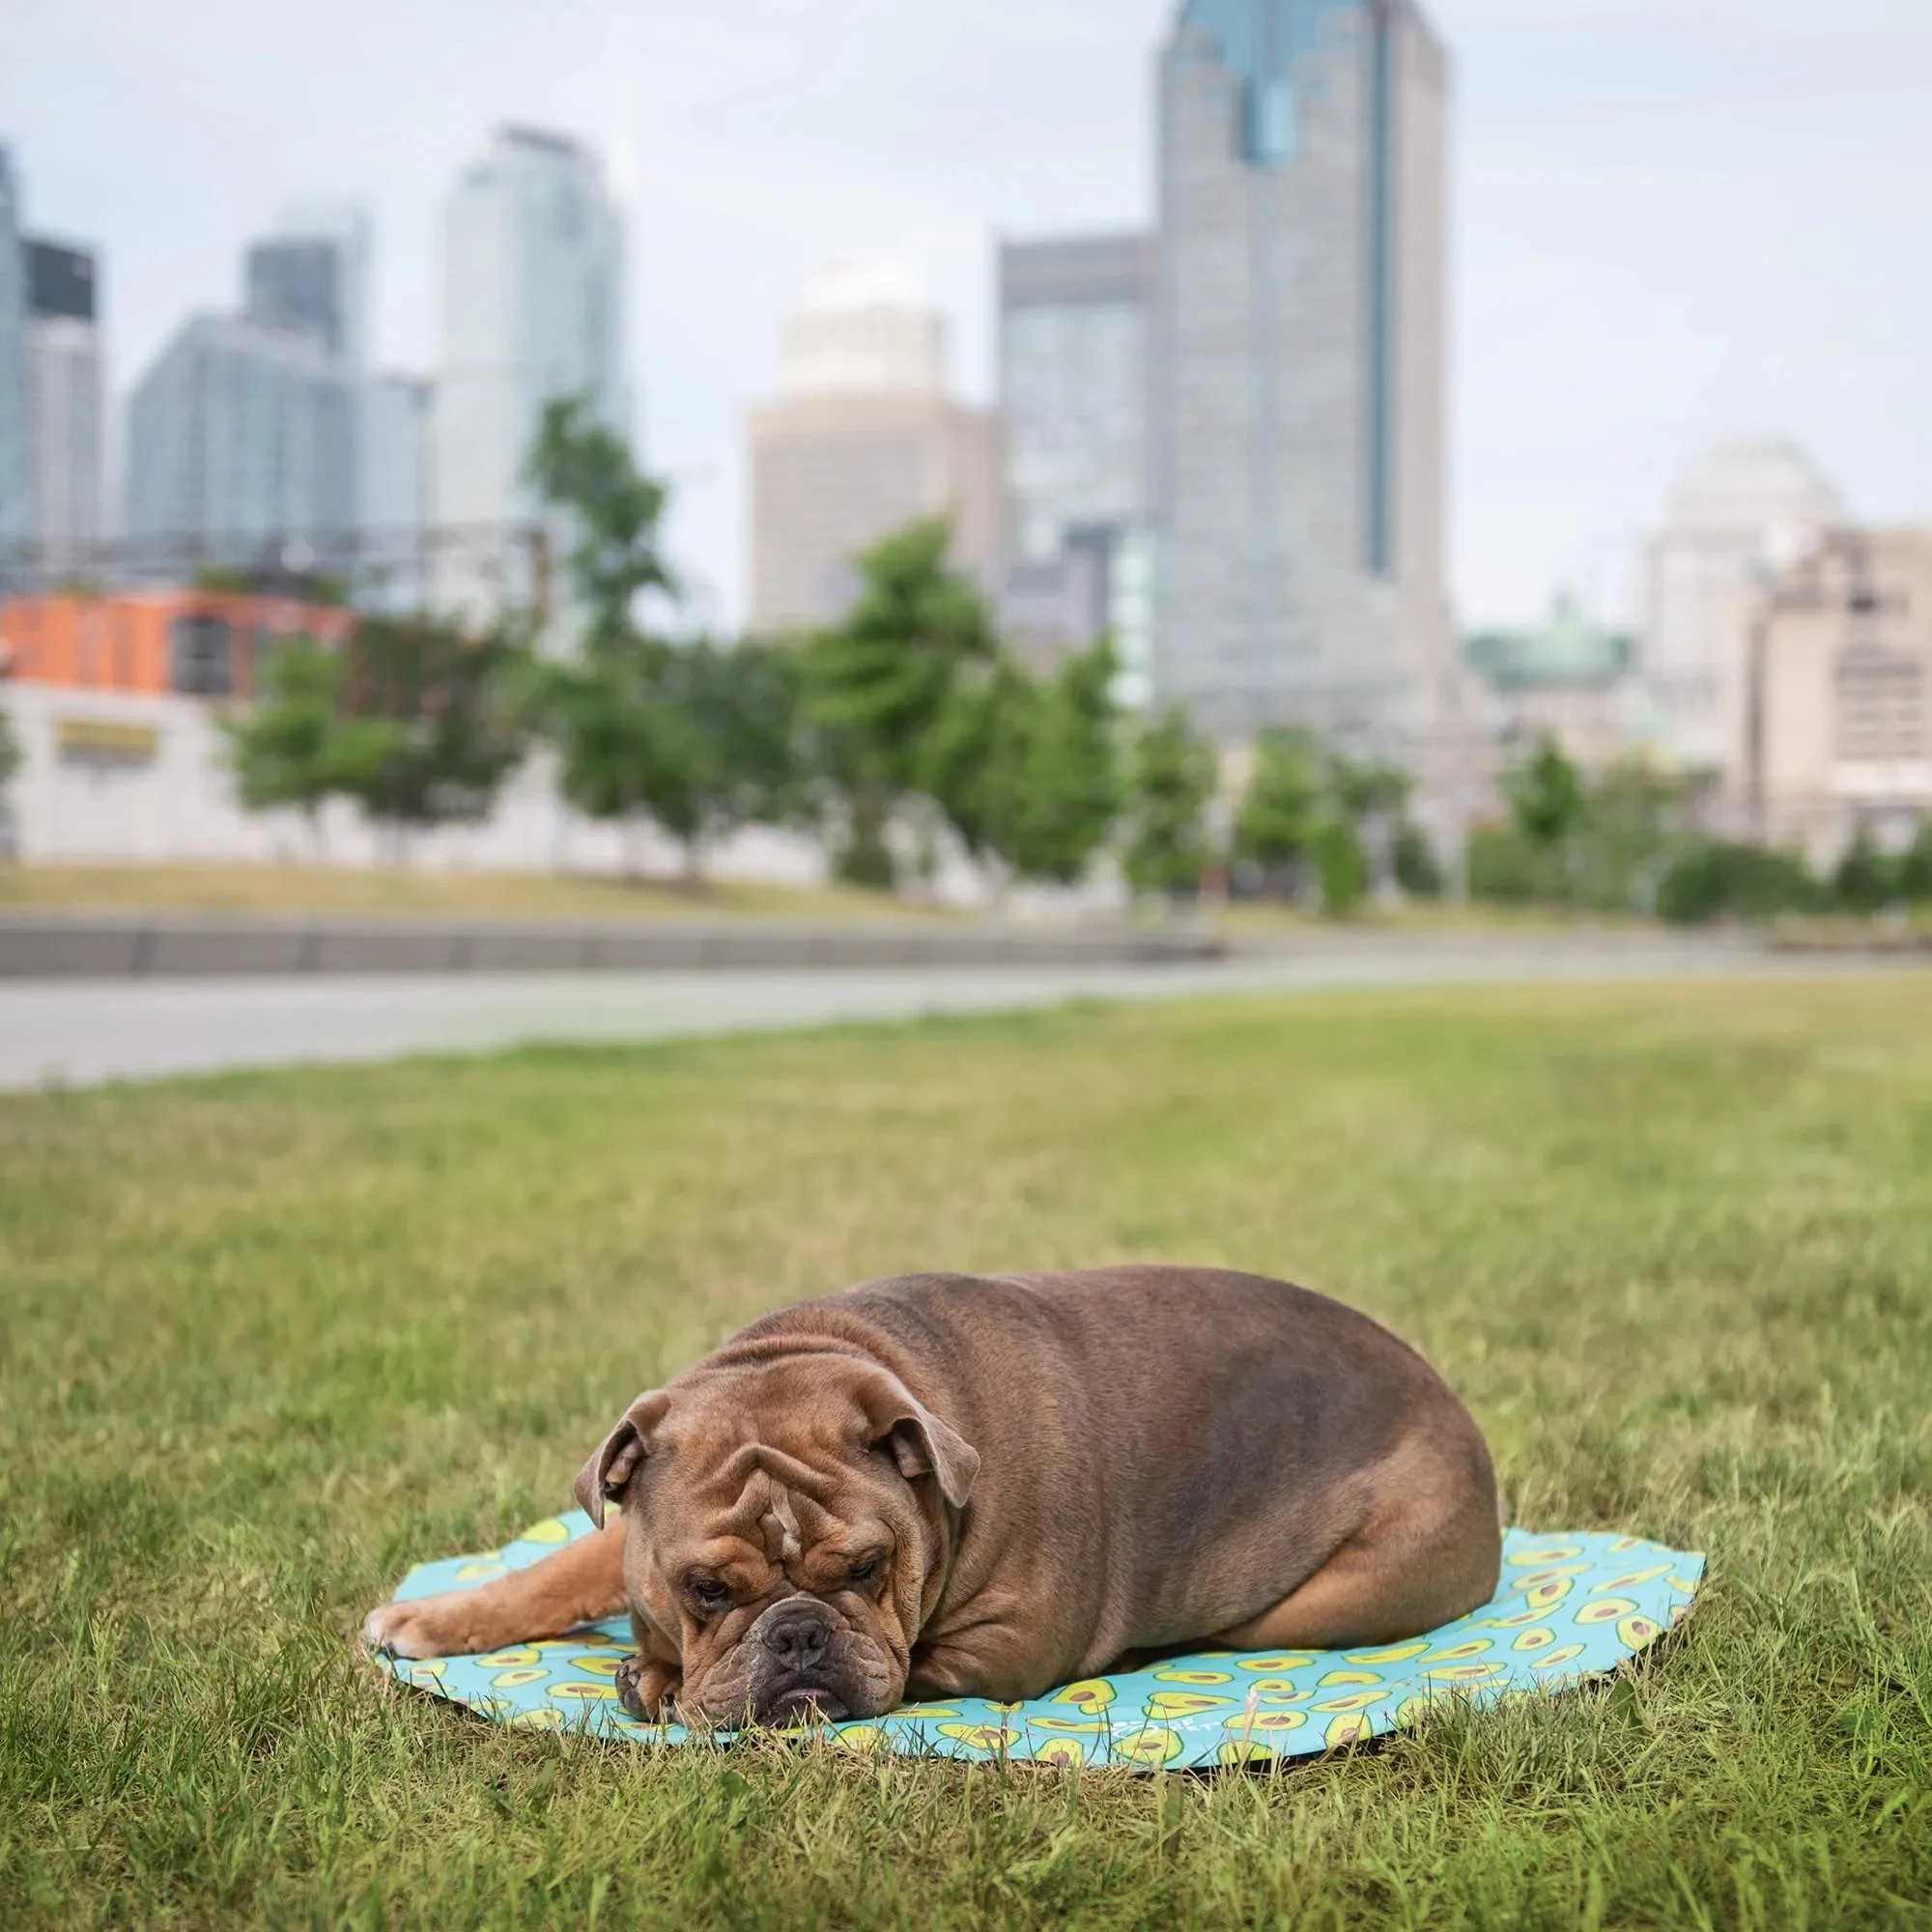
[
  {"x": 1880, "y": 705},
  {"x": 203, "y": 652}
]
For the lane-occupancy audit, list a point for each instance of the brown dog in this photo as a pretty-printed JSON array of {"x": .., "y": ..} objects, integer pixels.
[{"x": 983, "y": 1486}]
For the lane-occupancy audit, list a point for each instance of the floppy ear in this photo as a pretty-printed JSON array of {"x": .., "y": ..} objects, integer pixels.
[
  {"x": 608, "y": 1473},
  {"x": 900, "y": 1426}
]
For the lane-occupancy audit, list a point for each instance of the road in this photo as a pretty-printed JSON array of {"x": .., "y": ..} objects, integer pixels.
[{"x": 78, "y": 1033}]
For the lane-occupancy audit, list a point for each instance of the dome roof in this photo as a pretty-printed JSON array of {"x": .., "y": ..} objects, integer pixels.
[
  {"x": 1564, "y": 649},
  {"x": 1749, "y": 491}
]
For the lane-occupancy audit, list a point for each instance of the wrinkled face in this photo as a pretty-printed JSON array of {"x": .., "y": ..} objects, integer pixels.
[{"x": 785, "y": 1538}]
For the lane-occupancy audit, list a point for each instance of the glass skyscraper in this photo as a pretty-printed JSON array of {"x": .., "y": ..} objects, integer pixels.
[
  {"x": 1297, "y": 386},
  {"x": 531, "y": 311}
]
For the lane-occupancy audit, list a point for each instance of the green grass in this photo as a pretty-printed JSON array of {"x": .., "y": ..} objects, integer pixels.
[{"x": 270, "y": 1339}]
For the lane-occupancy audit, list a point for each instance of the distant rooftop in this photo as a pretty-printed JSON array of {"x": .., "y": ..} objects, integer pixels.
[{"x": 1566, "y": 649}]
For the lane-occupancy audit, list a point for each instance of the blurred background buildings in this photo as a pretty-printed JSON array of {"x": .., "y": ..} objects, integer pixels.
[
  {"x": 864, "y": 438},
  {"x": 1218, "y": 439}
]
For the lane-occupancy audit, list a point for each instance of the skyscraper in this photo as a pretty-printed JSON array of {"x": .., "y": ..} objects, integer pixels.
[
  {"x": 1074, "y": 319},
  {"x": 1298, "y": 392},
  {"x": 15, "y": 517},
  {"x": 392, "y": 452},
  {"x": 531, "y": 311},
  {"x": 241, "y": 439},
  {"x": 864, "y": 441},
  {"x": 65, "y": 406},
  {"x": 311, "y": 278}
]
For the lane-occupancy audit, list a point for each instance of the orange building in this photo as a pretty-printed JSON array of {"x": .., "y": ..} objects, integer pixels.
[{"x": 198, "y": 643}]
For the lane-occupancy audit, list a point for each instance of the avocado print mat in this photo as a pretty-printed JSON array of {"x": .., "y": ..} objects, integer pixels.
[{"x": 1568, "y": 1607}]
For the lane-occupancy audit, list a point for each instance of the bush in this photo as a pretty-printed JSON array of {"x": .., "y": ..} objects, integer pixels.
[
  {"x": 1342, "y": 867},
  {"x": 1508, "y": 869},
  {"x": 1717, "y": 878},
  {"x": 1914, "y": 868},
  {"x": 1418, "y": 871},
  {"x": 1866, "y": 881}
]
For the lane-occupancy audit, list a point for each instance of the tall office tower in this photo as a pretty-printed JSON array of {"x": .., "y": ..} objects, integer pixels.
[
  {"x": 863, "y": 440},
  {"x": 531, "y": 311},
  {"x": 311, "y": 277},
  {"x": 64, "y": 410},
  {"x": 1737, "y": 519},
  {"x": 16, "y": 513},
  {"x": 1298, "y": 371},
  {"x": 240, "y": 443},
  {"x": 1074, "y": 316}
]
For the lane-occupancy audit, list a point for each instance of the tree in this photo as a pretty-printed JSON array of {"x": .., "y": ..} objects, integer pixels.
[
  {"x": 1915, "y": 866},
  {"x": 1546, "y": 795},
  {"x": 1171, "y": 783},
  {"x": 433, "y": 726},
  {"x": 1341, "y": 866},
  {"x": 287, "y": 749},
  {"x": 1275, "y": 825},
  {"x": 1418, "y": 871},
  {"x": 697, "y": 738},
  {"x": 879, "y": 682},
  {"x": 615, "y": 512},
  {"x": 1864, "y": 881},
  {"x": 1060, "y": 811}
]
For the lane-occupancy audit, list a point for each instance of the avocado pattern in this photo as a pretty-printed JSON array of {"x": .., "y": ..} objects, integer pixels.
[{"x": 1568, "y": 1607}]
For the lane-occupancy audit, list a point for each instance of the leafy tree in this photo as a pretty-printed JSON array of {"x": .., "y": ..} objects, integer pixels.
[
  {"x": 700, "y": 739},
  {"x": 1276, "y": 823},
  {"x": 1546, "y": 795},
  {"x": 1170, "y": 785},
  {"x": 1864, "y": 879},
  {"x": 1915, "y": 866},
  {"x": 288, "y": 748},
  {"x": 1418, "y": 871},
  {"x": 433, "y": 726},
  {"x": 1068, "y": 790},
  {"x": 615, "y": 512},
  {"x": 880, "y": 681},
  {"x": 1341, "y": 865},
  {"x": 974, "y": 758}
]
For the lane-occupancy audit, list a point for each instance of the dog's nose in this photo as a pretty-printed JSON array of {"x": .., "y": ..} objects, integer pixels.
[{"x": 798, "y": 1638}]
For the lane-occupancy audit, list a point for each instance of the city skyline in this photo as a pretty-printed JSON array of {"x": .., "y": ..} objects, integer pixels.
[{"x": 1625, "y": 291}]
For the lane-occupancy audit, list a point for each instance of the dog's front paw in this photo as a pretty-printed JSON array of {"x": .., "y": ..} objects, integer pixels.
[
  {"x": 646, "y": 1689},
  {"x": 441, "y": 1626}
]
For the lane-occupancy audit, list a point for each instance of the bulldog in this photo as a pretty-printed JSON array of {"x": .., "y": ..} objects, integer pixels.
[{"x": 950, "y": 1486}]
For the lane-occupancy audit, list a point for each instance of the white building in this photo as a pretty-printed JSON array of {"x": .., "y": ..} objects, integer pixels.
[
  {"x": 1739, "y": 516},
  {"x": 864, "y": 440},
  {"x": 65, "y": 424},
  {"x": 531, "y": 311}
]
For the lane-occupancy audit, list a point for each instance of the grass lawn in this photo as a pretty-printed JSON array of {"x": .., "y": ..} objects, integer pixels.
[
  {"x": 402, "y": 891},
  {"x": 270, "y": 1339}
]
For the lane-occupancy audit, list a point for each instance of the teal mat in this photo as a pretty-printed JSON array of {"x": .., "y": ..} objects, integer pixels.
[{"x": 1568, "y": 1607}]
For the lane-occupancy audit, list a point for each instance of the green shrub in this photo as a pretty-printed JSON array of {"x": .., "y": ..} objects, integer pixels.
[
  {"x": 1914, "y": 868},
  {"x": 1508, "y": 869},
  {"x": 1866, "y": 878},
  {"x": 1418, "y": 871},
  {"x": 1719, "y": 878},
  {"x": 1341, "y": 865}
]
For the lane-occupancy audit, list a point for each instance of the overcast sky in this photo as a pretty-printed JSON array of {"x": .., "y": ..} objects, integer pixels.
[{"x": 1674, "y": 220}]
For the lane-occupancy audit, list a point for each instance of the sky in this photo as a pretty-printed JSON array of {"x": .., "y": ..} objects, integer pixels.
[{"x": 1673, "y": 220}]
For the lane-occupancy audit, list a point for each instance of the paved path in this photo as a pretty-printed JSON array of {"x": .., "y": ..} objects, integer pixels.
[{"x": 82, "y": 1031}]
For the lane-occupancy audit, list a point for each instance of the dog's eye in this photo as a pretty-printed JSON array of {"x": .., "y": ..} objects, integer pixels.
[
  {"x": 708, "y": 1593},
  {"x": 863, "y": 1575}
]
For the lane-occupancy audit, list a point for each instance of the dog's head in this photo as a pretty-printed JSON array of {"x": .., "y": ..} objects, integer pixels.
[{"x": 788, "y": 1527}]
